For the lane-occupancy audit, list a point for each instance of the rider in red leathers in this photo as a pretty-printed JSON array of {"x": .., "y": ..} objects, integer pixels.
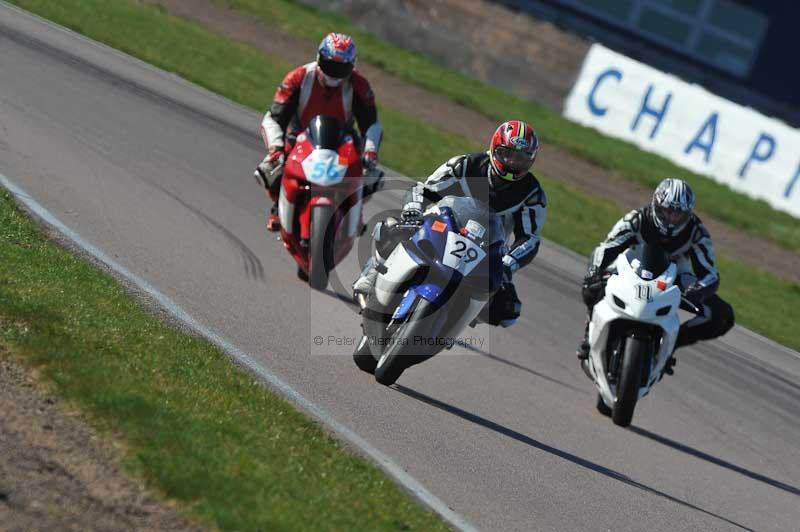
[{"x": 328, "y": 86}]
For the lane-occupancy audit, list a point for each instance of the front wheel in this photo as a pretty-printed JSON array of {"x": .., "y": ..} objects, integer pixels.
[
  {"x": 320, "y": 253},
  {"x": 363, "y": 358},
  {"x": 412, "y": 342},
  {"x": 629, "y": 382}
]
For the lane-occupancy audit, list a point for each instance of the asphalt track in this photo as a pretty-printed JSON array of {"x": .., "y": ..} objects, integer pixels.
[{"x": 156, "y": 173}]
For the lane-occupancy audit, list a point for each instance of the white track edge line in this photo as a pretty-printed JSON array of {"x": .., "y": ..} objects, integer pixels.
[{"x": 391, "y": 468}]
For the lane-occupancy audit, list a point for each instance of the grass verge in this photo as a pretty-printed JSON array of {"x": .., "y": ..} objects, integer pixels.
[
  {"x": 195, "y": 426},
  {"x": 575, "y": 220},
  {"x": 626, "y": 159}
]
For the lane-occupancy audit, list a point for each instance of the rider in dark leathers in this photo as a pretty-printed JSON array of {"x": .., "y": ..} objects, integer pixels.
[
  {"x": 670, "y": 222},
  {"x": 500, "y": 178}
]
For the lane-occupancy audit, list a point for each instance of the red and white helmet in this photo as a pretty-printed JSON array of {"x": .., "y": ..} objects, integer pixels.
[{"x": 513, "y": 149}]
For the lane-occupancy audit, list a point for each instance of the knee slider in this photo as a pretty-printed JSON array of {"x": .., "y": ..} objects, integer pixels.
[{"x": 727, "y": 319}]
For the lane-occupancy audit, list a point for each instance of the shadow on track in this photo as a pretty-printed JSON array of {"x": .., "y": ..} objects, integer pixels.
[
  {"x": 713, "y": 459},
  {"x": 502, "y": 360},
  {"x": 577, "y": 460},
  {"x": 347, "y": 299}
]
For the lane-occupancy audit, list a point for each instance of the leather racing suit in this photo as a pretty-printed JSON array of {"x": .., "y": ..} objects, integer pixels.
[
  {"x": 693, "y": 253},
  {"x": 522, "y": 204},
  {"x": 301, "y": 96}
]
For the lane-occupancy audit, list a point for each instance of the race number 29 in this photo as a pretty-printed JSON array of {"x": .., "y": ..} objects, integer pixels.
[{"x": 461, "y": 253}]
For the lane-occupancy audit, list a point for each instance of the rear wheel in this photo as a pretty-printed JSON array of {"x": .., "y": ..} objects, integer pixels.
[
  {"x": 410, "y": 343},
  {"x": 629, "y": 381},
  {"x": 320, "y": 258}
]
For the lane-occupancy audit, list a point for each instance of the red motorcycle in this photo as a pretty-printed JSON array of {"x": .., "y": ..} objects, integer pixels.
[{"x": 321, "y": 199}]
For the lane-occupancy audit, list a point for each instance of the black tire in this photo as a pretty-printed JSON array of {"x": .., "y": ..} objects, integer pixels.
[
  {"x": 402, "y": 353},
  {"x": 602, "y": 407},
  {"x": 629, "y": 381},
  {"x": 320, "y": 252},
  {"x": 363, "y": 358}
]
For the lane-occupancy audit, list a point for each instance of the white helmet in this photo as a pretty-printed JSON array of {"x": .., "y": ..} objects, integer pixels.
[{"x": 672, "y": 205}]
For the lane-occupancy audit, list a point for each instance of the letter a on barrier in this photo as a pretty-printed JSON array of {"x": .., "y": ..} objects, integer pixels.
[{"x": 709, "y": 130}]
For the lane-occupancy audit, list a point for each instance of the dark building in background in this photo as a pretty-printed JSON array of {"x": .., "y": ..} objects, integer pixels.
[{"x": 747, "y": 51}]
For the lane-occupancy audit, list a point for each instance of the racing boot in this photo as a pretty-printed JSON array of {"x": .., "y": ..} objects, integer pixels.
[
  {"x": 363, "y": 285},
  {"x": 273, "y": 221},
  {"x": 668, "y": 367},
  {"x": 583, "y": 348}
]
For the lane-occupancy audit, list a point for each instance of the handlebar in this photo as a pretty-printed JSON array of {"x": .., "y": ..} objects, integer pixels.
[{"x": 691, "y": 306}]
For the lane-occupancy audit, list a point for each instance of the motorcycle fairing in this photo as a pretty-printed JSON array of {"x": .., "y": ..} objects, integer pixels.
[
  {"x": 428, "y": 291},
  {"x": 339, "y": 184},
  {"x": 642, "y": 299}
]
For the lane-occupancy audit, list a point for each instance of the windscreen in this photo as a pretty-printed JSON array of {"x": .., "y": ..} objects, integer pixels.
[
  {"x": 466, "y": 209},
  {"x": 648, "y": 260},
  {"x": 325, "y": 132}
]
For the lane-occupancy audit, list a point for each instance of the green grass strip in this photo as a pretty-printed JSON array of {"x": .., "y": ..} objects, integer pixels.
[
  {"x": 626, "y": 159},
  {"x": 196, "y": 427}
]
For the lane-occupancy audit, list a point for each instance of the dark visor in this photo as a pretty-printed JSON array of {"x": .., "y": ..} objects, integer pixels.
[
  {"x": 671, "y": 217},
  {"x": 515, "y": 161},
  {"x": 335, "y": 69}
]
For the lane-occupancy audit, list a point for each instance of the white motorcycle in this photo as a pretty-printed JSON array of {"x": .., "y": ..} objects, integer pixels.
[{"x": 633, "y": 330}]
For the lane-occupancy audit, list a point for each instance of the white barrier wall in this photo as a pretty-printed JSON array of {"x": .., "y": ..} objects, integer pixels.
[{"x": 685, "y": 123}]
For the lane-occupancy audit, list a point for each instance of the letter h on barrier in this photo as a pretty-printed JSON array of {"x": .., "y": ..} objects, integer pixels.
[{"x": 649, "y": 110}]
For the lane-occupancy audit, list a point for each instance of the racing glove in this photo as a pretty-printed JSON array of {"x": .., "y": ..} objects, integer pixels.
[
  {"x": 695, "y": 294},
  {"x": 369, "y": 160},
  {"x": 411, "y": 214},
  {"x": 592, "y": 288},
  {"x": 271, "y": 166}
]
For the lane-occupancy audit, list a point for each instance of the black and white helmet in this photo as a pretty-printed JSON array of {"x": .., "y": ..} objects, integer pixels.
[{"x": 672, "y": 206}]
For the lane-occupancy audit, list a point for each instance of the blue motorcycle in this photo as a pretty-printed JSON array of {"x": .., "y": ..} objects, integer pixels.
[{"x": 436, "y": 280}]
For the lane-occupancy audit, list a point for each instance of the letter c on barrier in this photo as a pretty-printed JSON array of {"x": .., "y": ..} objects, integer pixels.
[
  {"x": 590, "y": 100},
  {"x": 757, "y": 153}
]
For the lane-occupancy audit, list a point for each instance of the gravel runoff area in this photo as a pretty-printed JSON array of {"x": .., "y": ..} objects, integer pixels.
[
  {"x": 56, "y": 473},
  {"x": 452, "y": 117}
]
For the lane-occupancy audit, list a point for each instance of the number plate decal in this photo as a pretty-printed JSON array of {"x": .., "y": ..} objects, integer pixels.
[
  {"x": 644, "y": 292},
  {"x": 322, "y": 168},
  {"x": 461, "y": 253}
]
